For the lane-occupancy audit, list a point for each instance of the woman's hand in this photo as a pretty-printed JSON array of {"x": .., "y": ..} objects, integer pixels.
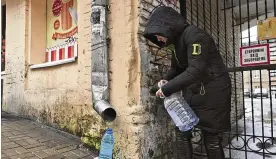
[{"x": 160, "y": 94}]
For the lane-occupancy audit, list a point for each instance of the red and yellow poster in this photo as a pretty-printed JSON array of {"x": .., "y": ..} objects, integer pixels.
[
  {"x": 267, "y": 29},
  {"x": 62, "y": 23}
]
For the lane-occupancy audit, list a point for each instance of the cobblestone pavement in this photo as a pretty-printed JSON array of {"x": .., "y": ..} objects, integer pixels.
[{"x": 23, "y": 138}]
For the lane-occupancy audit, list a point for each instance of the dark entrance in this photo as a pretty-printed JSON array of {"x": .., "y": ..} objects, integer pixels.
[
  {"x": 3, "y": 37},
  {"x": 3, "y": 49}
]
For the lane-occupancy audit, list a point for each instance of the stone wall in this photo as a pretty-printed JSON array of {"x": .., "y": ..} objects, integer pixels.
[
  {"x": 160, "y": 128},
  {"x": 124, "y": 77}
]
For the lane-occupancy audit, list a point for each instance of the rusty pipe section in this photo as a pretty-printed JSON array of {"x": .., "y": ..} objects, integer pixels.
[{"x": 99, "y": 61}]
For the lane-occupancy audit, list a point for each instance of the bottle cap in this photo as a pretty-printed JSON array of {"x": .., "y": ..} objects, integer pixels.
[{"x": 109, "y": 130}]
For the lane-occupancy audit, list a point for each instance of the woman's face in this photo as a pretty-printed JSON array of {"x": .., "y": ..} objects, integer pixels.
[{"x": 161, "y": 38}]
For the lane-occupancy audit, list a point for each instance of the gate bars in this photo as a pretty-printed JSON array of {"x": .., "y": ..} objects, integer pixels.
[{"x": 253, "y": 132}]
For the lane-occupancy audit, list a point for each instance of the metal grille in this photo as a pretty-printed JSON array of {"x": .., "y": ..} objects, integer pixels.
[{"x": 254, "y": 87}]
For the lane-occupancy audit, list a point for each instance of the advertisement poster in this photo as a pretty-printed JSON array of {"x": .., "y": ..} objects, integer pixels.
[
  {"x": 267, "y": 29},
  {"x": 62, "y": 28}
]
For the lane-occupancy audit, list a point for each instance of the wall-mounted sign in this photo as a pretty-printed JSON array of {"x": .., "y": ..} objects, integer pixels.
[
  {"x": 267, "y": 29},
  {"x": 255, "y": 55}
]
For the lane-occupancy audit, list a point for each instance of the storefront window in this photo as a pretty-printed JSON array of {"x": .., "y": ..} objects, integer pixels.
[{"x": 62, "y": 30}]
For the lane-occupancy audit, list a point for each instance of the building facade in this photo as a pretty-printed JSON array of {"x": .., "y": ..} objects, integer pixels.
[{"x": 47, "y": 75}]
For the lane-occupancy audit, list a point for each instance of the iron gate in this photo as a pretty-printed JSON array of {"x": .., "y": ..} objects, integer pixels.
[
  {"x": 232, "y": 23},
  {"x": 254, "y": 98}
]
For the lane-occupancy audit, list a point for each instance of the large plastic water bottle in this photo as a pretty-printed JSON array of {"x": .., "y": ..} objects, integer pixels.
[
  {"x": 180, "y": 111},
  {"x": 107, "y": 145}
]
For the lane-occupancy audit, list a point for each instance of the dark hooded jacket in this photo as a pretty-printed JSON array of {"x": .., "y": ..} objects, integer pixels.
[{"x": 196, "y": 67}]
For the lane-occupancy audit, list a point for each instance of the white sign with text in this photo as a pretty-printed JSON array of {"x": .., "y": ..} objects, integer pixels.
[{"x": 255, "y": 55}]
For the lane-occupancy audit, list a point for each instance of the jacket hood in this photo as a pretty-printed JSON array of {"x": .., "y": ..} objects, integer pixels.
[{"x": 166, "y": 22}]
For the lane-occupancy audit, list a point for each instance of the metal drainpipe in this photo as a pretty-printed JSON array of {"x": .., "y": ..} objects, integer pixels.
[{"x": 99, "y": 60}]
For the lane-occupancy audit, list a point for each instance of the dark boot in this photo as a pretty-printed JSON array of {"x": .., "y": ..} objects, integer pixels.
[
  {"x": 213, "y": 145},
  {"x": 184, "y": 144}
]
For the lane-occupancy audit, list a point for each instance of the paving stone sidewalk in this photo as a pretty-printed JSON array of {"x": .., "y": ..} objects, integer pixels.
[{"x": 23, "y": 138}]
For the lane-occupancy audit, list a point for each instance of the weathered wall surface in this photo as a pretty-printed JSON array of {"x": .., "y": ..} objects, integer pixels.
[
  {"x": 203, "y": 14},
  {"x": 125, "y": 77},
  {"x": 15, "y": 45},
  {"x": 59, "y": 95}
]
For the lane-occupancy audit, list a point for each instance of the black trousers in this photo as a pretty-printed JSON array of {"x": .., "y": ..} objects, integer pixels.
[{"x": 212, "y": 141}]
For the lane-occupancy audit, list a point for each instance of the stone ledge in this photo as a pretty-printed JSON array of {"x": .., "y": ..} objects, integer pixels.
[{"x": 54, "y": 63}]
